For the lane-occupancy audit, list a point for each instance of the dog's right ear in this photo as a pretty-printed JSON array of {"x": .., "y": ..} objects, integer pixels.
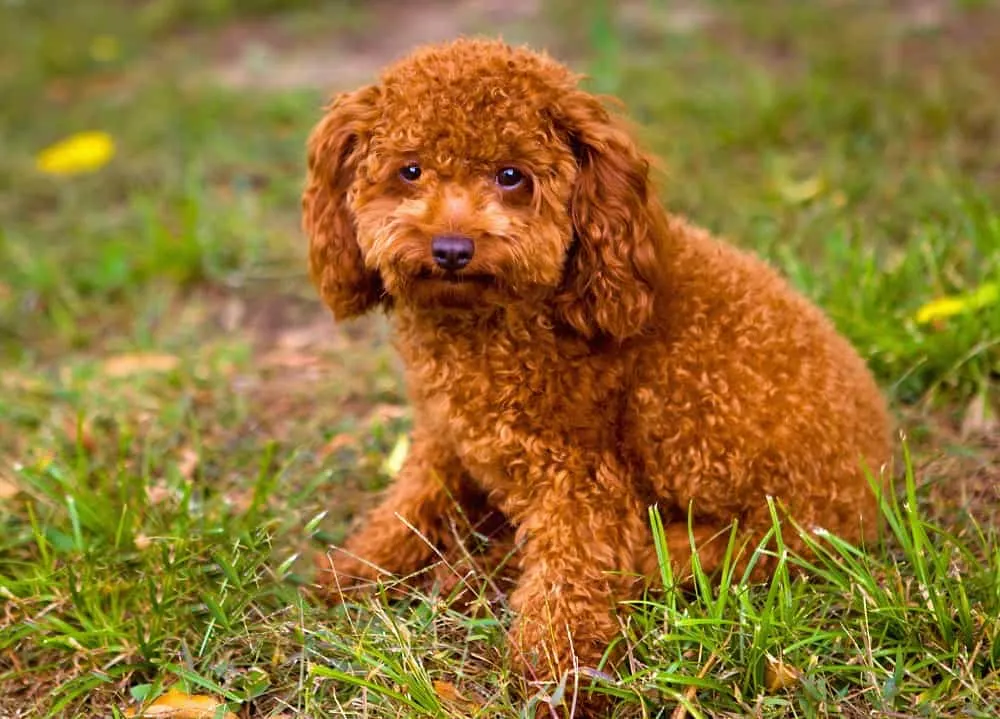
[{"x": 335, "y": 147}]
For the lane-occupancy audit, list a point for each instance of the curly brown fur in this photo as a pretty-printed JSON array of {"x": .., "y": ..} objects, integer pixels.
[{"x": 596, "y": 356}]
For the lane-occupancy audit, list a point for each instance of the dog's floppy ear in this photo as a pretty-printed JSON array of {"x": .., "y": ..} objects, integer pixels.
[
  {"x": 612, "y": 273},
  {"x": 335, "y": 147}
]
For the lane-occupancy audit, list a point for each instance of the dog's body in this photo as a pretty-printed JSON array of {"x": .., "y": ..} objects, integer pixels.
[{"x": 574, "y": 354}]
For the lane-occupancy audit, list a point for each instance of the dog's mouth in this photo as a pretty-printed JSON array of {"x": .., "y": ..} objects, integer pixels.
[
  {"x": 457, "y": 278},
  {"x": 458, "y": 290}
]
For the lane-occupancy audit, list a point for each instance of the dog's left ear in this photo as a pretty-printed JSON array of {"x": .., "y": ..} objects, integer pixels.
[
  {"x": 335, "y": 148},
  {"x": 612, "y": 273}
]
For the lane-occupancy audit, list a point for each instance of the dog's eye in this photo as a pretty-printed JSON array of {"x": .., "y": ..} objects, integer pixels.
[
  {"x": 410, "y": 173},
  {"x": 509, "y": 177}
]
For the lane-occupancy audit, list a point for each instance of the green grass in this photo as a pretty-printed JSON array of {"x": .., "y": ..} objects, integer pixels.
[{"x": 181, "y": 425}]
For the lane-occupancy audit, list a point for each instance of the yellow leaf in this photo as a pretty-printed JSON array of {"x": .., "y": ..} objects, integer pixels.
[
  {"x": 44, "y": 460},
  {"x": 939, "y": 309},
  {"x": 178, "y": 705},
  {"x": 798, "y": 192},
  {"x": 126, "y": 365},
  {"x": 82, "y": 152},
  {"x": 778, "y": 675},
  {"x": 104, "y": 48},
  {"x": 394, "y": 462}
]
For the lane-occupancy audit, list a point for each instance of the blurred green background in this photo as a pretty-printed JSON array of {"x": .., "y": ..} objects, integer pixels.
[{"x": 854, "y": 144}]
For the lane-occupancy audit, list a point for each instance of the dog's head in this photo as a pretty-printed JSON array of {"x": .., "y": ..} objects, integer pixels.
[{"x": 476, "y": 175}]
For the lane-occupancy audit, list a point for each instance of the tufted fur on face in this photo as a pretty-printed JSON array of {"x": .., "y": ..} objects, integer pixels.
[{"x": 577, "y": 240}]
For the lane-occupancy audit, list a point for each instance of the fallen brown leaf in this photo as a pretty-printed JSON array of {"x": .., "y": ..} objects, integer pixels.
[
  {"x": 778, "y": 675},
  {"x": 334, "y": 444},
  {"x": 78, "y": 432},
  {"x": 58, "y": 91},
  {"x": 300, "y": 338},
  {"x": 240, "y": 500},
  {"x": 178, "y": 705},
  {"x": 188, "y": 462},
  {"x": 291, "y": 359},
  {"x": 450, "y": 694},
  {"x": 7, "y": 488},
  {"x": 158, "y": 493},
  {"x": 21, "y": 382},
  {"x": 386, "y": 413},
  {"x": 126, "y": 365},
  {"x": 233, "y": 313},
  {"x": 680, "y": 712}
]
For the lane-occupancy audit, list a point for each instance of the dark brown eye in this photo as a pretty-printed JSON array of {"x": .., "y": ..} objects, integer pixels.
[
  {"x": 410, "y": 173},
  {"x": 509, "y": 177}
]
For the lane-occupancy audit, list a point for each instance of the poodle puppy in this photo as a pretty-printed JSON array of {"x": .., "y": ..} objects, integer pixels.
[{"x": 574, "y": 353}]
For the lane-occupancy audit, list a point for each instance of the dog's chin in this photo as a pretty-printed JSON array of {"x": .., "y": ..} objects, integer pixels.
[{"x": 452, "y": 291}]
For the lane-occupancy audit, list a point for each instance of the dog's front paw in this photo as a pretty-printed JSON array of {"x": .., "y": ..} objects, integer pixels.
[
  {"x": 559, "y": 670},
  {"x": 531, "y": 650}
]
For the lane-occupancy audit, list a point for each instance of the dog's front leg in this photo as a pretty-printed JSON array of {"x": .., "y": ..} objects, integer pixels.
[
  {"x": 579, "y": 560},
  {"x": 404, "y": 532}
]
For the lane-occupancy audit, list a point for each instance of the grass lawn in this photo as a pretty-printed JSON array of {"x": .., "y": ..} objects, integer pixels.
[{"x": 182, "y": 425}]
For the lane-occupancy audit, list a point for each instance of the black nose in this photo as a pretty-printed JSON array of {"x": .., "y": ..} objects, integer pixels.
[{"x": 452, "y": 252}]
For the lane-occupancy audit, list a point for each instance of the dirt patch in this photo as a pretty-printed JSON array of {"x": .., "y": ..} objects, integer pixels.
[
  {"x": 928, "y": 32},
  {"x": 261, "y": 56},
  {"x": 264, "y": 55},
  {"x": 964, "y": 487},
  {"x": 958, "y": 471}
]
